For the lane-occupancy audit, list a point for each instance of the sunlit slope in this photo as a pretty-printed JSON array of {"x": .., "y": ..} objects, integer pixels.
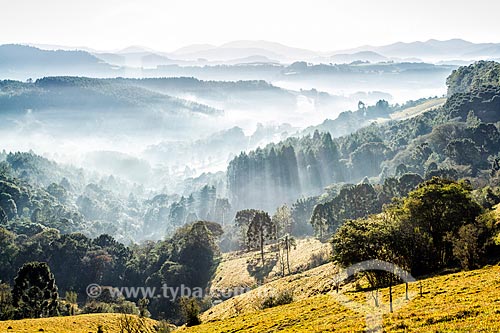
[
  {"x": 304, "y": 285},
  {"x": 418, "y": 109},
  {"x": 232, "y": 271},
  {"x": 460, "y": 302},
  {"x": 72, "y": 324}
]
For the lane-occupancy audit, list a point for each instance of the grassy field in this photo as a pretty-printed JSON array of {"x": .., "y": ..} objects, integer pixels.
[
  {"x": 74, "y": 324},
  {"x": 419, "y": 109},
  {"x": 232, "y": 271},
  {"x": 459, "y": 302},
  {"x": 304, "y": 285}
]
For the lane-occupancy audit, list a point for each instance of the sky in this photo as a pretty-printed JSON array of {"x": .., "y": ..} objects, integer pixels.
[{"x": 320, "y": 25}]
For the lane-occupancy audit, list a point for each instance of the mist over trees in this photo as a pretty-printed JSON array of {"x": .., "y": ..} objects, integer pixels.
[
  {"x": 281, "y": 173},
  {"x": 422, "y": 144}
]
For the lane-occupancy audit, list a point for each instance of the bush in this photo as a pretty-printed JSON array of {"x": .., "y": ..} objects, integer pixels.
[
  {"x": 133, "y": 324},
  {"x": 97, "y": 307},
  {"x": 190, "y": 310},
  {"x": 125, "y": 307},
  {"x": 164, "y": 327},
  {"x": 282, "y": 298}
]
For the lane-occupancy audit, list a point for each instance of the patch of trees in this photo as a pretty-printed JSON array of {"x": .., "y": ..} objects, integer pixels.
[
  {"x": 468, "y": 78},
  {"x": 359, "y": 201},
  {"x": 281, "y": 173},
  {"x": 436, "y": 226},
  {"x": 36, "y": 194},
  {"x": 349, "y": 121},
  {"x": 459, "y": 139},
  {"x": 189, "y": 257},
  {"x": 65, "y": 92}
]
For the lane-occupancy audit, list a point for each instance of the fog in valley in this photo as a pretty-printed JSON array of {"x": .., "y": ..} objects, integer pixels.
[
  {"x": 186, "y": 116},
  {"x": 149, "y": 138}
]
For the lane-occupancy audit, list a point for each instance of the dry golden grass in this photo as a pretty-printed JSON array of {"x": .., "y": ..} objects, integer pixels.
[
  {"x": 460, "y": 302},
  {"x": 416, "y": 110},
  {"x": 303, "y": 285},
  {"x": 72, "y": 324},
  {"x": 232, "y": 271}
]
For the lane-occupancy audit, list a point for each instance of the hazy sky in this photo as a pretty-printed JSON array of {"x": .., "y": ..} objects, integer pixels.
[{"x": 321, "y": 25}]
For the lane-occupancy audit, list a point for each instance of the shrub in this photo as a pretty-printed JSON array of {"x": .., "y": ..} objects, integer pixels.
[
  {"x": 190, "y": 310},
  {"x": 97, "y": 307},
  {"x": 125, "y": 307},
  {"x": 164, "y": 327},
  {"x": 133, "y": 324},
  {"x": 282, "y": 298}
]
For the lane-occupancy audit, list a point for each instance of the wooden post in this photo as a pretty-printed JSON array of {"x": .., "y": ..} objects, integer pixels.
[{"x": 390, "y": 294}]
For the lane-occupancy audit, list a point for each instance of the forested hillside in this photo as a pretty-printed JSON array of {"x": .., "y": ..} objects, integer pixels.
[
  {"x": 466, "y": 79},
  {"x": 37, "y": 194},
  {"x": 459, "y": 139},
  {"x": 89, "y": 94}
]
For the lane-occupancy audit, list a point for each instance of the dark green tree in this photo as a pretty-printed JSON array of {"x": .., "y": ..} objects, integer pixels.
[
  {"x": 6, "y": 308},
  {"x": 319, "y": 221},
  {"x": 35, "y": 292},
  {"x": 261, "y": 230},
  {"x": 439, "y": 208}
]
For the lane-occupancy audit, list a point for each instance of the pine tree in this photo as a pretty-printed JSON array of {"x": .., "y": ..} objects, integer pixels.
[
  {"x": 261, "y": 230},
  {"x": 35, "y": 292}
]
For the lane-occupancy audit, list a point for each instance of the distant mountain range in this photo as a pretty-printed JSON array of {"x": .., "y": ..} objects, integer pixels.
[
  {"x": 22, "y": 61},
  {"x": 435, "y": 50},
  {"x": 244, "y": 49},
  {"x": 346, "y": 58},
  {"x": 243, "y": 60},
  {"x": 247, "y": 51}
]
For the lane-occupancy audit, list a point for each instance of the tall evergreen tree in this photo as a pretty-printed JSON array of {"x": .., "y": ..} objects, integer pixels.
[{"x": 35, "y": 292}]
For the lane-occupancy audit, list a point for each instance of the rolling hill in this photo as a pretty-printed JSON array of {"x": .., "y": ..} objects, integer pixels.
[
  {"x": 459, "y": 302},
  {"x": 21, "y": 61}
]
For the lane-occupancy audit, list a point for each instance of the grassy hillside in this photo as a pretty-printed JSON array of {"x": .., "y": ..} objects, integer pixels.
[
  {"x": 75, "y": 324},
  {"x": 418, "y": 109},
  {"x": 232, "y": 271},
  {"x": 303, "y": 285},
  {"x": 459, "y": 302}
]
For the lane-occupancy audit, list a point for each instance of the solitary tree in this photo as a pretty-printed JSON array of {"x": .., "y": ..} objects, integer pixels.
[
  {"x": 286, "y": 243},
  {"x": 190, "y": 310},
  {"x": 35, "y": 291},
  {"x": 260, "y": 230},
  {"x": 283, "y": 220},
  {"x": 319, "y": 221},
  {"x": 71, "y": 298}
]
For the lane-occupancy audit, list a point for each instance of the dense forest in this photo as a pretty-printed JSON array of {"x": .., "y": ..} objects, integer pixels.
[
  {"x": 89, "y": 94},
  {"x": 461, "y": 138}
]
